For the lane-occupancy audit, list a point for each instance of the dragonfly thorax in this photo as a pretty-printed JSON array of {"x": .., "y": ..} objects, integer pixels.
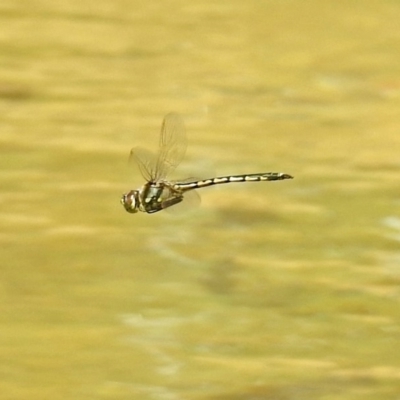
[
  {"x": 131, "y": 201},
  {"x": 152, "y": 197}
]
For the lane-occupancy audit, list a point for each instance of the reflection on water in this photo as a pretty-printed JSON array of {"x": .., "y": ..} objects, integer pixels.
[
  {"x": 265, "y": 290},
  {"x": 393, "y": 223}
]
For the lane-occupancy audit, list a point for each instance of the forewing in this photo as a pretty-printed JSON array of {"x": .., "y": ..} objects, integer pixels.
[{"x": 172, "y": 146}]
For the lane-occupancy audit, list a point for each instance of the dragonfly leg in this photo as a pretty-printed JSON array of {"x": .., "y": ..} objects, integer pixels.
[{"x": 171, "y": 202}]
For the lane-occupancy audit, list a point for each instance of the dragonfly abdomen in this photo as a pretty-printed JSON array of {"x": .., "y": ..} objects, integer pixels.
[{"x": 267, "y": 176}]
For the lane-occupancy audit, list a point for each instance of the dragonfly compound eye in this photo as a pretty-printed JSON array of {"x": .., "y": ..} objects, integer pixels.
[{"x": 129, "y": 202}]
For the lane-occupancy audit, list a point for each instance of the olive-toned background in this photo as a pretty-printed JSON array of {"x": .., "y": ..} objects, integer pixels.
[{"x": 282, "y": 290}]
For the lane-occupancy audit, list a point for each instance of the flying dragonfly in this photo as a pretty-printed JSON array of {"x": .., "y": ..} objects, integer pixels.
[{"x": 158, "y": 193}]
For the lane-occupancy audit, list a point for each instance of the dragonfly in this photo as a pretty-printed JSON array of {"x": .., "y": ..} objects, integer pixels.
[{"x": 159, "y": 193}]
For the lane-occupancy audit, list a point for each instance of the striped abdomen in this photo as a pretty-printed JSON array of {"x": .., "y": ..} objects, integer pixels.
[{"x": 267, "y": 176}]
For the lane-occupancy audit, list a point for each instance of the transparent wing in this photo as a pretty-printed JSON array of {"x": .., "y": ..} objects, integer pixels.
[
  {"x": 172, "y": 148},
  {"x": 145, "y": 160}
]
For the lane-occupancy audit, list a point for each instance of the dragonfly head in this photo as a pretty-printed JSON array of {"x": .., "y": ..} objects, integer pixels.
[{"x": 130, "y": 201}]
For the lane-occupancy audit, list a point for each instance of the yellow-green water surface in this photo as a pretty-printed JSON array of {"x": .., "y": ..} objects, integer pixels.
[{"x": 269, "y": 291}]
